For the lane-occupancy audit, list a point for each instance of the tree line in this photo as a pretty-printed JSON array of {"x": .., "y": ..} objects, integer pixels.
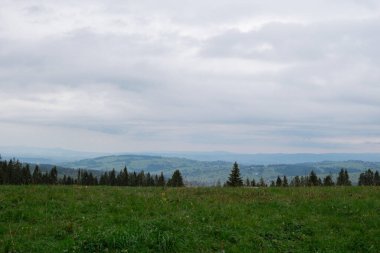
[
  {"x": 367, "y": 178},
  {"x": 17, "y": 173}
]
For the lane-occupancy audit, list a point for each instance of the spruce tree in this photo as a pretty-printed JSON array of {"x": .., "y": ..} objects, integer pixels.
[
  {"x": 285, "y": 182},
  {"x": 53, "y": 175},
  {"x": 377, "y": 178},
  {"x": 161, "y": 180},
  {"x": 278, "y": 182},
  {"x": 37, "y": 176},
  {"x": 247, "y": 182},
  {"x": 26, "y": 176},
  {"x": 234, "y": 179},
  {"x": 176, "y": 180},
  {"x": 296, "y": 181},
  {"x": 347, "y": 178},
  {"x": 343, "y": 178},
  {"x": 328, "y": 181},
  {"x": 313, "y": 179},
  {"x": 262, "y": 183}
]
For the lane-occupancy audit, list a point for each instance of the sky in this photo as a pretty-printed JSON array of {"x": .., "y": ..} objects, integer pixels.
[{"x": 243, "y": 76}]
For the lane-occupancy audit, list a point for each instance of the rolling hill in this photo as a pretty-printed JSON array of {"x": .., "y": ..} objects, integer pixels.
[{"x": 209, "y": 172}]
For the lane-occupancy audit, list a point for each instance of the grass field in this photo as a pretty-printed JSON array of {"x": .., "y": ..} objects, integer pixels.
[{"x": 116, "y": 219}]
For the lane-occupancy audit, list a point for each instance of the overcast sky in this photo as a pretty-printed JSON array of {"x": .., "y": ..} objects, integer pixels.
[{"x": 243, "y": 76}]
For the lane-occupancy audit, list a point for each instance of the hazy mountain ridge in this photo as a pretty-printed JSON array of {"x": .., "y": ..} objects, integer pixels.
[
  {"x": 210, "y": 172},
  {"x": 204, "y": 167}
]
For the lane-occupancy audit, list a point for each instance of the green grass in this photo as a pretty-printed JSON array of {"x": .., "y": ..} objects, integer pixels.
[{"x": 117, "y": 219}]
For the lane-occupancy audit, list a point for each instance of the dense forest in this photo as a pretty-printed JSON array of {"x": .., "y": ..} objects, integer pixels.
[{"x": 15, "y": 172}]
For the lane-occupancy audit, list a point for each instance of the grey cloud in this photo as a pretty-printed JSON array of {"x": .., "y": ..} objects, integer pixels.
[
  {"x": 296, "y": 42},
  {"x": 248, "y": 76}
]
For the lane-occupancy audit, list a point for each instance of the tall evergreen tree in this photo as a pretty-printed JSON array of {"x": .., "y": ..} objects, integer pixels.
[
  {"x": 161, "y": 180},
  {"x": 262, "y": 183},
  {"x": 53, "y": 175},
  {"x": 176, "y": 180},
  {"x": 37, "y": 176},
  {"x": 278, "y": 182},
  {"x": 26, "y": 176},
  {"x": 377, "y": 178},
  {"x": 296, "y": 181},
  {"x": 313, "y": 179},
  {"x": 343, "y": 178},
  {"x": 234, "y": 179},
  {"x": 285, "y": 182},
  {"x": 112, "y": 177},
  {"x": 328, "y": 181}
]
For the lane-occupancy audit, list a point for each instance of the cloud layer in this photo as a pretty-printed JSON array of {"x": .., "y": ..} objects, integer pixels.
[{"x": 246, "y": 76}]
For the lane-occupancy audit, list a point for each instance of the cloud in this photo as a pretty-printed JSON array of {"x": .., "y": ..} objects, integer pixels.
[{"x": 157, "y": 76}]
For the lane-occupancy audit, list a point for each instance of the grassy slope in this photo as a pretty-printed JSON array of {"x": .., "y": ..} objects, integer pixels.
[{"x": 81, "y": 219}]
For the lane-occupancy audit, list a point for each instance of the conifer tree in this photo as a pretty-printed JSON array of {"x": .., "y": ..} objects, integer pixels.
[
  {"x": 253, "y": 183},
  {"x": 313, "y": 179},
  {"x": 112, "y": 177},
  {"x": 26, "y": 176},
  {"x": 296, "y": 181},
  {"x": 161, "y": 180},
  {"x": 278, "y": 182},
  {"x": 377, "y": 178},
  {"x": 262, "y": 183},
  {"x": 53, "y": 175},
  {"x": 343, "y": 178},
  {"x": 176, "y": 180},
  {"x": 328, "y": 181},
  {"x": 285, "y": 182},
  {"x": 234, "y": 179},
  {"x": 37, "y": 177}
]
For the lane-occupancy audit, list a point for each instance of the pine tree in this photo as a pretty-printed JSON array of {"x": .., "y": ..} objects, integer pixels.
[
  {"x": 26, "y": 176},
  {"x": 234, "y": 179},
  {"x": 37, "y": 176},
  {"x": 328, "y": 181},
  {"x": 176, "y": 180},
  {"x": 124, "y": 177},
  {"x": 347, "y": 178},
  {"x": 262, "y": 183},
  {"x": 285, "y": 182},
  {"x": 253, "y": 183},
  {"x": 313, "y": 179},
  {"x": 367, "y": 178},
  {"x": 161, "y": 180},
  {"x": 343, "y": 178},
  {"x": 247, "y": 182},
  {"x": 296, "y": 181},
  {"x": 278, "y": 182},
  {"x": 112, "y": 177},
  {"x": 377, "y": 178},
  {"x": 53, "y": 175}
]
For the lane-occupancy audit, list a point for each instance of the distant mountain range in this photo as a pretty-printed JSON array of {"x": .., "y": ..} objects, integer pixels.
[
  {"x": 59, "y": 155},
  {"x": 201, "y": 167},
  {"x": 209, "y": 172}
]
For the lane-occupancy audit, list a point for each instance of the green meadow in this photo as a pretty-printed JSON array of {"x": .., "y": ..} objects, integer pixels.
[{"x": 123, "y": 219}]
